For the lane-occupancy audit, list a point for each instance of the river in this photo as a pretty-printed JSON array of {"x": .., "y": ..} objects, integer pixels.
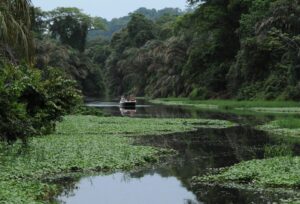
[{"x": 198, "y": 153}]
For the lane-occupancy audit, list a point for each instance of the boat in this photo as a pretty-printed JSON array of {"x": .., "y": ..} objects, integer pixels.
[{"x": 129, "y": 103}]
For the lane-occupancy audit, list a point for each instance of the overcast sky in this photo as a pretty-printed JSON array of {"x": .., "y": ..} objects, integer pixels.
[{"x": 109, "y": 8}]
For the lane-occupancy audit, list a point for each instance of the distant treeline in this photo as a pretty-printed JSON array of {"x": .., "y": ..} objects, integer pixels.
[{"x": 116, "y": 24}]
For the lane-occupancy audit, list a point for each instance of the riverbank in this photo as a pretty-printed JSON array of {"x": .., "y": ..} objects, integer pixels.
[
  {"x": 257, "y": 106},
  {"x": 82, "y": 144}
]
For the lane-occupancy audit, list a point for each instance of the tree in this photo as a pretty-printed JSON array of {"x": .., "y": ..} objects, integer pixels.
[
  {"x": 268, "y": 63},
  {"x": 140, "y": 29},
  {"x": 71, "y": 26},
  {"x": 15, "y": 25},
  {"x": 79, "y": 66}
]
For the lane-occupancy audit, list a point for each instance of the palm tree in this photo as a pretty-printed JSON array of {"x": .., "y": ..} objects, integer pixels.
[{"x": 15, "y": 27}]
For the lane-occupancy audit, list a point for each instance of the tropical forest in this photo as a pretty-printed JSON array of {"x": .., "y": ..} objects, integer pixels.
[{"x": 173, "y": 102}]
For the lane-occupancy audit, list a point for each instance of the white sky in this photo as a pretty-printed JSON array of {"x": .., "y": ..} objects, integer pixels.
[{"x": 109, "y": 8}]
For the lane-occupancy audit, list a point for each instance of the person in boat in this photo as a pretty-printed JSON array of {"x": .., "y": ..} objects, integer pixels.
[{"x": 132, "y": 98}]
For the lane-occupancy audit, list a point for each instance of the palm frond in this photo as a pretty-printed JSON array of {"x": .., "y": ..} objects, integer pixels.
[{"x": 15, "y": 25}]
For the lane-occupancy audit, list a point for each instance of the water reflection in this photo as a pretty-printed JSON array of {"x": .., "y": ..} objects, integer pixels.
[
  {"x": 122, "y": 188},
  {"x": 100, "y": 104},
  {"x": 210, "y": 148},
  {"x": 144, "y": 109},
  {"x": 207, "y": 149},
  {"x": 128, "y": 112}
]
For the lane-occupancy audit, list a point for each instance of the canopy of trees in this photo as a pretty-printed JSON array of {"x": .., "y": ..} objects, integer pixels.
[
  {"x": 116, "y": 24},
  {"x": 71, "y": 26},
  {"x": 224, "y": 49},
  {"x": 61, "y": 42}
]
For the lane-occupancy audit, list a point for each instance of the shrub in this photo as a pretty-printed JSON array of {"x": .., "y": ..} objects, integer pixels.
[{"x": 32, "y": 101}]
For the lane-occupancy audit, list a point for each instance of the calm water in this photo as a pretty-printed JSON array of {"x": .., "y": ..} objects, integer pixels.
[
  {"x": 123, "y": 188},
  {"x": 145, "y": 109},
  {"x": 199, "y": 152}
]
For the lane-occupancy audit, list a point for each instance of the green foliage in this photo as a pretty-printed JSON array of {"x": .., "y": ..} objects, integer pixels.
[
  {"x": 126, "y": 66},
  {"x": 61, "y": 94},
  {"x": 199, "y": 93},
  {"x": 153, "y": 69},
  {"x": 15, "y": 25},
  {"x": 61, "y": 42},
  {"x": 274, "y": 172},
  {"x": 287, "y": 128},
  {"x": 71, "y": 26},
  {"x": 85, "y": 110},
  {"x": 153, "y": 14},
  {"x": 81, "y": 67},
  {"x": 292, "y": 92},
  {"x": 32, "y": 101},
  {"x": 289, "y": 123},
  {"x": 197, "y": 57},
  {"x": 117, "y": 24},
  {"x": 240, "y": 49},
  {"x": 268, "y": 55},
  {"x": 14, "y": 82},
  {"x": 140, "y": 30},
  {"x": 138, "y": 126},
  {"x": 278, "y": 151},
  {"x": 224, "y": 49}
]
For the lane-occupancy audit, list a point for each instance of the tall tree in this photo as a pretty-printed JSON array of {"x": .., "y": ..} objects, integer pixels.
[
  {"x": 140, "y": 29},
  {"x": 71, "y": 26}
]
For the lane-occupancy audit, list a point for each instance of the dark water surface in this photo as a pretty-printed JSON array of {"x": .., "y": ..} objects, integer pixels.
[
  {"x": 198, "y": 153},
  {"x": 144, "y": 109}
]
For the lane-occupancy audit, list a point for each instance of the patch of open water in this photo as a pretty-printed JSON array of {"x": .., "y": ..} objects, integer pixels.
[
  {"x": 144, "y": 109},
  {"x": 123, "y": 188}
]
